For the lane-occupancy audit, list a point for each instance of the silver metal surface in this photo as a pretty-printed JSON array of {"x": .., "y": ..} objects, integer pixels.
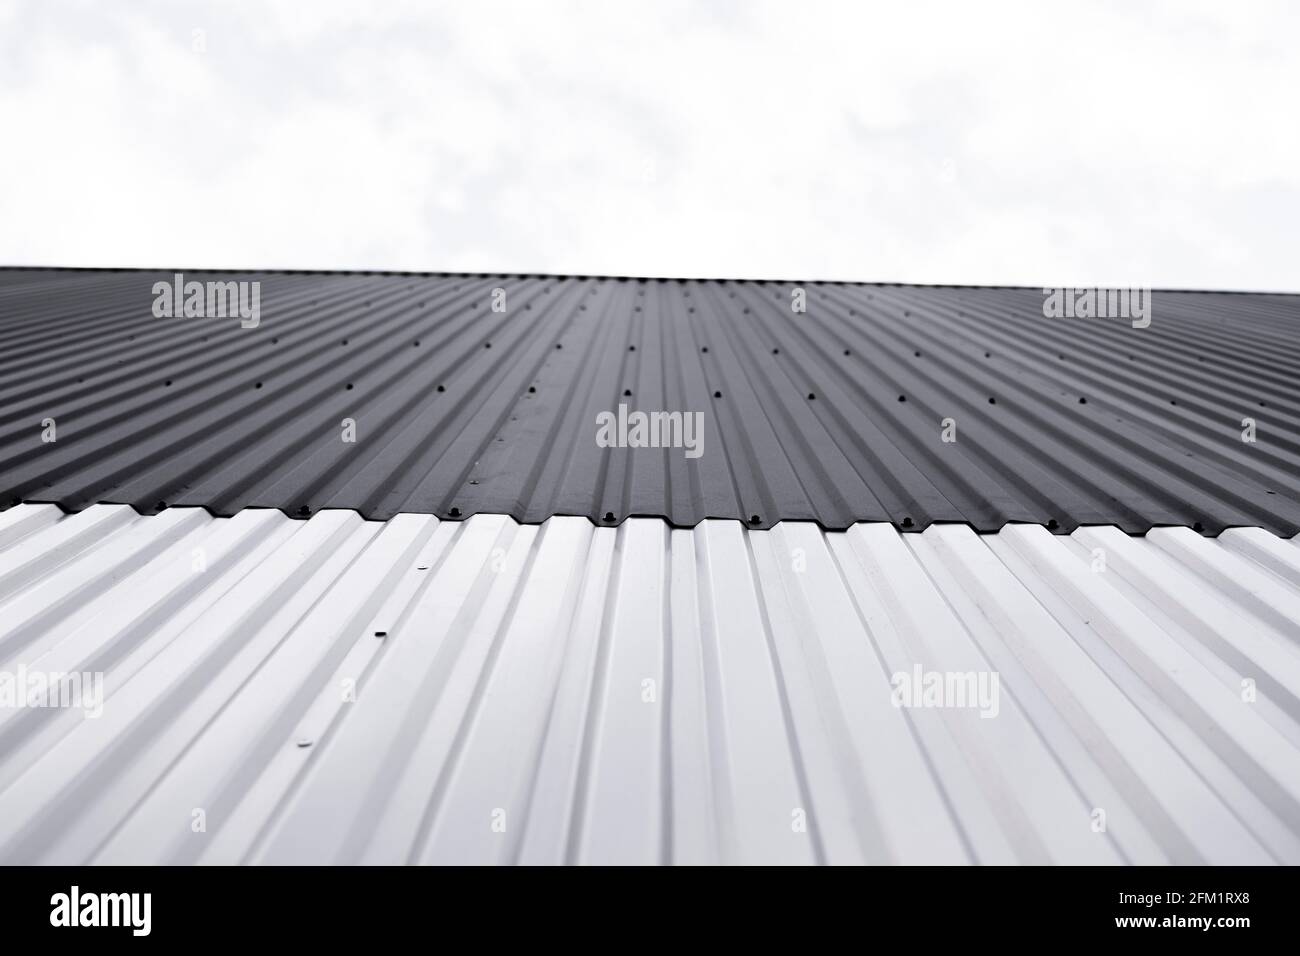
[{"x": 417, "y": 691}]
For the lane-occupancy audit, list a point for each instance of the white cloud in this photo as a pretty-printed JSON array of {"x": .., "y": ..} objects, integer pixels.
[{"x": 1131, "y": 143}]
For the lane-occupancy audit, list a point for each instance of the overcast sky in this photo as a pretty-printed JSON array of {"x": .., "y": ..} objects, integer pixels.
[{"x": 1119, "y": 143}]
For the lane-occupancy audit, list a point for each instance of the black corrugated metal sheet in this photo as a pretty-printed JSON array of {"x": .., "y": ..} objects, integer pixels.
[{"x": 833, "y": 415}]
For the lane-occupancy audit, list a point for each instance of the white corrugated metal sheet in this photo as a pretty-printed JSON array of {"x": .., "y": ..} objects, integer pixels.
[{"x": 337, "y": 690}]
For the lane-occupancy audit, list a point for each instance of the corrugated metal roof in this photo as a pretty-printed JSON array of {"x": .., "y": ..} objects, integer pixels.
[
  {"x": 833, "y": 415},
  {"x": 566, "y": 692}
]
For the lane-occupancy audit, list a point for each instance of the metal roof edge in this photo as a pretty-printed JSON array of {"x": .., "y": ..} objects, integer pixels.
[
  {"x": 1053, "y": 527},
  {"x": 592, "y": 276}
]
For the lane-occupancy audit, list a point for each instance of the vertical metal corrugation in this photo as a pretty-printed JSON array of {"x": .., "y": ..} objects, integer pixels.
[
  {"x": 343, "y": 690},
  {"x": 836, "y": 414}
]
